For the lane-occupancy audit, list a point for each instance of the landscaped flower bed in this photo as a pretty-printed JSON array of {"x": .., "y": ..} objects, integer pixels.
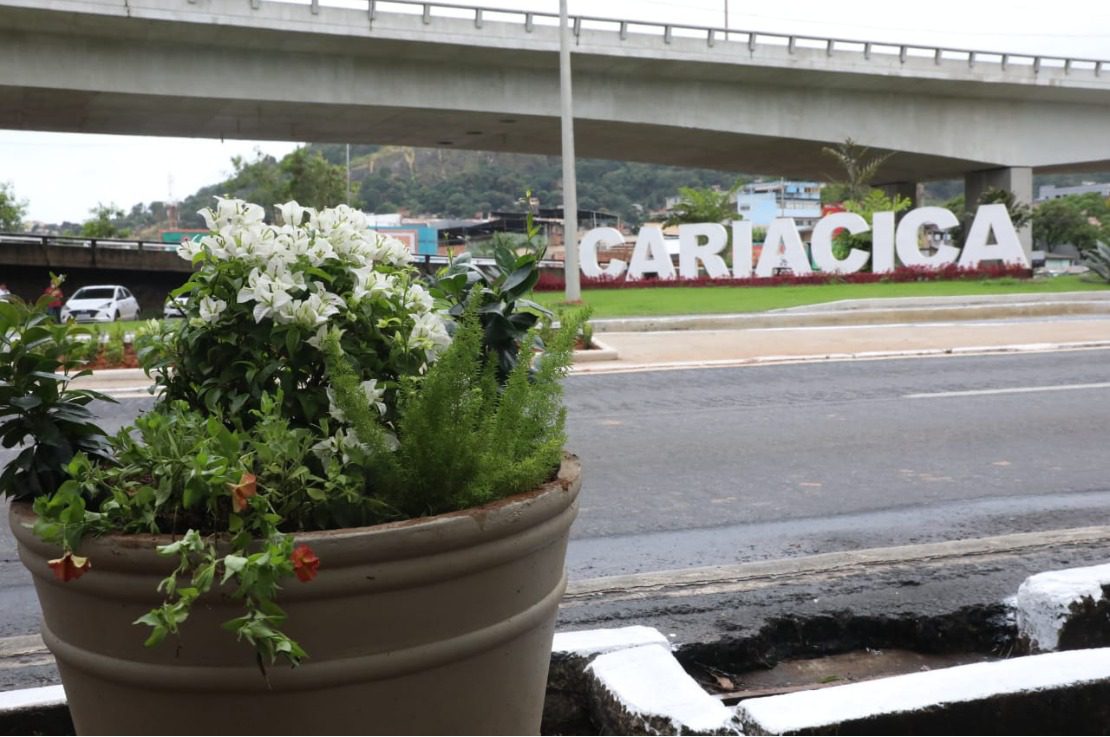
[{"x": 551, "y": 282}]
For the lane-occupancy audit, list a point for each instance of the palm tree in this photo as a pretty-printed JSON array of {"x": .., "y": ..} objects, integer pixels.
[
  {"x": 704, "y": 205},
  {"x": 858, "y": 169}
]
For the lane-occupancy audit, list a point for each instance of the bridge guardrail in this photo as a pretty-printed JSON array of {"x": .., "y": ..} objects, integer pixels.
[
  {"x": 714, "y": 35},
  {"x": 76, "y": 241}
]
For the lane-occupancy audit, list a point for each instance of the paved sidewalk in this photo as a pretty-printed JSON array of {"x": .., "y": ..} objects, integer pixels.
[{"x": 694, "y": 348}]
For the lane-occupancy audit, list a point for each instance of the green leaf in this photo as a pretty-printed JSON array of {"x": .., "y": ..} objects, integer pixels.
[{"x": 519, "y": 276}]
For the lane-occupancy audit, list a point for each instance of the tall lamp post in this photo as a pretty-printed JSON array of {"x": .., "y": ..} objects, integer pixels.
[{"x": 570, "y": 183}]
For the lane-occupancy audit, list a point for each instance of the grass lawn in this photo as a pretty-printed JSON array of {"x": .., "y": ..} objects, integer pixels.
[
  {"x": 709, "y": 300},
  {"x": 115, "y": 328}
]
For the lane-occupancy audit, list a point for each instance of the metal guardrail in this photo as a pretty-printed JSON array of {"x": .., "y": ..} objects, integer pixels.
[
  {"x": 76, "y": 241},
  {"x": 528, "y": 20}
]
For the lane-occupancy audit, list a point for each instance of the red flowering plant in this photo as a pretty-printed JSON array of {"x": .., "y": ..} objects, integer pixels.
[{"x": 312, "y": 385}]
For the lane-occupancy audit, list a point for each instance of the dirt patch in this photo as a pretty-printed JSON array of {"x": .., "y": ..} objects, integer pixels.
[
  {"x": 830, "y": 670},
  {"x": 970, "y": 634}
]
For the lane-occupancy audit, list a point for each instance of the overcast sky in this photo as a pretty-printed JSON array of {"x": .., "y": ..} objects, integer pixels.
[{"x": 63, "y": 176}]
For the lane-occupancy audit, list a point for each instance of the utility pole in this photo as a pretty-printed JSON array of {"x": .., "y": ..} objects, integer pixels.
[
  {"x": 348, "y": 175},
  {"x": 570, "y": 184}
]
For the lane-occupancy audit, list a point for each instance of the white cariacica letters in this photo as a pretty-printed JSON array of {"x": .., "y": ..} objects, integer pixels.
[
  {"x": 1006, "y": 248},
  {"x": 783, "y": 233},
  {"x": 909, "y": 231},
  {"x": 691, "y": 250},
  {"x": 704, "y": 242},
  {"x": 587, "y": 253},
  {"x": 822, "y": 243},
  {"x": 742, "y": 249},
  {"x": 650, "y": 255},
  {"x": 882, "y": 242}
]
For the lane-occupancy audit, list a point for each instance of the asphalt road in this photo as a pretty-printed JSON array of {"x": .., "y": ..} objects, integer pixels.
[
  {"x": 721, "y": 466},
  {"x": 717, "y": 466}
]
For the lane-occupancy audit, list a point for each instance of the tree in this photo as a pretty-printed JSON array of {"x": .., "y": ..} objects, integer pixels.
[
  {"x": 704, "y": 205},
  {"x": 312, "y": 181},
  {"x": 859, "y": 170},
  {"x": 12, "y": 210},
  {"x": 1020, "y": 213},
  {"x": 104, "y": 222},
  {"x": 1064, "y": 221},
  {"x": 259, "y": 180}
]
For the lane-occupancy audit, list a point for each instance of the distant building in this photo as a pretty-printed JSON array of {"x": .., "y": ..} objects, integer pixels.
[
  {"x": 763, "y": 201},
  {"x": 1052, "y": 192},
  {"x": 549, "y": 221}
]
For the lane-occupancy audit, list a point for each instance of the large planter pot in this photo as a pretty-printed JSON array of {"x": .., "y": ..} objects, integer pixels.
[{"x": 434, "y": 625}]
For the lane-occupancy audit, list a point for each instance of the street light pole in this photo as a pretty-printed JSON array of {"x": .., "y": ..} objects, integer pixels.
[
  {"x": 570, "y": 184},
  {"x": 348, "y": 174}
]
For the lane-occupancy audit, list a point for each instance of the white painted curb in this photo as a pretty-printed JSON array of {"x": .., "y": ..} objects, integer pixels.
[
  {"x": 31, "y": 698},
  {"x": 819, "y": 710},
  {"x": 649, "y": 684},
  {"x": 1044, "y": 601}
]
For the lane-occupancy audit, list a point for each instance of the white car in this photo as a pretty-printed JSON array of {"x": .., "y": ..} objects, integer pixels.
[
  {"x": 101, "y": 304},
  {"x": 175, "y": 306}
]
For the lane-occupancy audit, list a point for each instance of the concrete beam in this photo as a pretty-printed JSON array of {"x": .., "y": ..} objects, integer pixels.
[{"x": 162, "y": 67}]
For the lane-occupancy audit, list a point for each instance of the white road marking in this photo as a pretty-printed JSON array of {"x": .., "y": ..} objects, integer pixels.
[{"x": 1009, "y": 390}]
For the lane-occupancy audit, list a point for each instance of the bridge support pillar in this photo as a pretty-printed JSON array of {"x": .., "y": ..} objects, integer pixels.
[
  {"x": 913, "y": 191},
  {"x": 1016, "y": 179}
]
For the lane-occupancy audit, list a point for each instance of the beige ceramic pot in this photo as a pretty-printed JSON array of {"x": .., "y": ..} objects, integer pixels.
[{"x": 440, "y": 625}]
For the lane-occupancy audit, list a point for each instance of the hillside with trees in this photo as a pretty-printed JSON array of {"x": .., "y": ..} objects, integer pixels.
[{"x": 434, "y": 182}]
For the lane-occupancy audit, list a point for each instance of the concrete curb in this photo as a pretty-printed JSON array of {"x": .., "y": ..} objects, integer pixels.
[
  {"x": 856, "y": 316},
  {"x": 822, "y": 566},
  {"x": 599, "y": 352},
  {"x": 860, "y": 356}
]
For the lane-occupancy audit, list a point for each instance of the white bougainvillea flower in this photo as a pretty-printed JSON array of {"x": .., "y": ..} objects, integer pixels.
[
  {"x": 285, "y": 275},
  {"x": 418, "y": 298},
  {"x": 369, "y": 282},
  {"x": 292, "y": 214},
  {"x": 333, "y": 408},
  {"x": 389, "y": 250},
  {"x": 374, "y": 394},
  {"x": 210, "y": 309},
  {"x": 429, "y": 334},
  {"x": 232, "y": 215},
  {"x": 187, "y": 249}
]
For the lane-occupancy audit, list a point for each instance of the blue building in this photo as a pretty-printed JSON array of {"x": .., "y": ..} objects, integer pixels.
[{"x": 763, "y": 201}]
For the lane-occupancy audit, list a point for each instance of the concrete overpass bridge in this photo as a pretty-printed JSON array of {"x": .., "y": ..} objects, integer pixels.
[{"x": 421, "y": 74}]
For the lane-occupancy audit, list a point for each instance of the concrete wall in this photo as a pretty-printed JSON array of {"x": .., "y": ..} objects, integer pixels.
[
  {"x": 61, "y": 258},
  {"x": 149, "y": 287}
]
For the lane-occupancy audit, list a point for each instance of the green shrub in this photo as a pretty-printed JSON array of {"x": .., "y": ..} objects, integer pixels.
[
  {"x": 37, "y": 408},
  {"x": 1098, "y": 260}
]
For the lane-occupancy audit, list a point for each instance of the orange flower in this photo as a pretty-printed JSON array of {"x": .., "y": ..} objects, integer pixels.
[
  {"x": 305, "y": 563},
  {"x": 244, "y": 490},
  {"x": 70, "y": 567}
]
